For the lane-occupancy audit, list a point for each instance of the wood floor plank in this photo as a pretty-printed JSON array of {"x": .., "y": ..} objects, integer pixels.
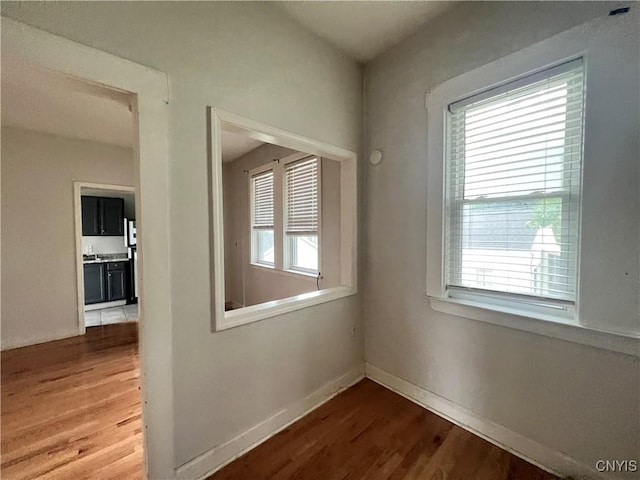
[
  {"x": 71, "y": 409},
  {"x": 371, "y": 433}
]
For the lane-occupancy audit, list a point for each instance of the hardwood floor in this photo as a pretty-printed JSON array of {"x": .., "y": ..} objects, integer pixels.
[
  {"x": 71, "y": 408},
  {"x": 369, "y": 432}
]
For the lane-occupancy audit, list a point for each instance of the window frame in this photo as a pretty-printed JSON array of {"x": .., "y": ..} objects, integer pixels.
[
  {"x": 454, "y": 203},
  {"x": 254, "y": 232},
  {"x": 438, "y": 104},
  {"x": 281, "y": 242},
  {"x": 287, "y": 238},
  {"x": 295, "y": 269},
  {"x": 217, "y": 120}
]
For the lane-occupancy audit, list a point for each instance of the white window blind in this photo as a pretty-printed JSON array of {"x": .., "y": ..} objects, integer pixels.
[
  {"x": 301, "y": 179},
  {"x": 513, "y": 173},
  {"x": 263, "y": 200}
]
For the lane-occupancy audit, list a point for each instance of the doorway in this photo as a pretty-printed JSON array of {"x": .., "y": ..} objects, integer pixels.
[
  {"x": 149, "y": 98},
  {"x": 69, "y": 387},
  {"x": 106, "y": 254}
]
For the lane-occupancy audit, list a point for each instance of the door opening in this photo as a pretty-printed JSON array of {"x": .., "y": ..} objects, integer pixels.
[
  {"x": 106, "y": 254},
  {"x": 146, "y": 90}
]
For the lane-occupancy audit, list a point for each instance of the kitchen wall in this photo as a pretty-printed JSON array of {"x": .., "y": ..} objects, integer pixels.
[
  {"x": 252, "y": 60},
  {"x": 96, "y": 245},
  {"x": 247, "y": 284},
  {"x": 574, "y": 399},
  {"x": 39, "y": 295}
]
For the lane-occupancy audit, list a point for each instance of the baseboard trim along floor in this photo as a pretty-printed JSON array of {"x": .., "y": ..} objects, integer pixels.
[
  {"x": 11, "y": 343},
  {"x": 214, "y": 459},
  {"x": 533, "y": 452}
]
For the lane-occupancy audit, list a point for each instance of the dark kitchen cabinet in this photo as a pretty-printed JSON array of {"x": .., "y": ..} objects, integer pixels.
[
  {"x": 116, "y": 284},
  {"x": 117, "y": 280},
  {"x": 102, "y": 216},
  {"x": 105, "y": 282},
  {"x": 90, "y": 217},
  {"x": 112, "y": 216},
  {"x": 94, "y": 283}
]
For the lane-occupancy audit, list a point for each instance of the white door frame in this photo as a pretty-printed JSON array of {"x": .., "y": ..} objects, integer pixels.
[
  {"x": 151, "y": 171},
  {"x": 77, "y": 217}
]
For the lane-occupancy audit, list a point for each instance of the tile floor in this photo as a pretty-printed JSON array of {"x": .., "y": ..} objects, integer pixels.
[{"x": 106, "y": 316}]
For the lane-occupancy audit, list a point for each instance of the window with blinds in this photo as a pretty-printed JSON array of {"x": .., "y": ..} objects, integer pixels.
[
  {"x": 302, "y": 214},
  {"x": 262, "y": 218},
  {"x": 512, "y": 187}
]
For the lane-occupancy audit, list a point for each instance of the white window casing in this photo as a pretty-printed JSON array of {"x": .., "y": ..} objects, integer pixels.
[{"x": 599, "y": 203}]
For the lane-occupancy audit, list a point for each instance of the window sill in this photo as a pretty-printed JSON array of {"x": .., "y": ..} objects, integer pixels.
[
  {"x": 302, "y": 273},
  {"x": 286, "y": 273},
  {"x": 561, "y": 329},
  {"x": 254, "y": 313},
  {"x": 264, "y": 265}
]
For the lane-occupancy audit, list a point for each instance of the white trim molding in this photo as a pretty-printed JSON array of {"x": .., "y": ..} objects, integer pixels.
[
  {"x": 254, "y": 313},
  {"x": 213, "y": 460},
  {"x": 219, "y": 120},
  {"x": 150, "y": 94},
  {"x": 51, "y": 52},
  {"x": 533, "y": 452}
]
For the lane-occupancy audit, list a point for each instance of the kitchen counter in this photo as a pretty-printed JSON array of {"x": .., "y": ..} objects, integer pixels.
[{"x": 119, "y": 258}]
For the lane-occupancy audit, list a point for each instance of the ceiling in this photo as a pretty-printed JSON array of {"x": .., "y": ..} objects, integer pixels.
[
  {"x": 46, "y": 101},
  {"x": 363, "y": 29},
  {"x": 42, "y": 100},
  {"x": 236, "y": 143},
  {"x": 38, "y": 99}
]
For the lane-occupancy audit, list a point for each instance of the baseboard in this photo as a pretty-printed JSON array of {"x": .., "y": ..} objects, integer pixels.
[
  {"x": 534, "y": 452},
  {"x": 26, "y": 342},
  {"x": 99, "y": 306},
  {"x": 219, "y": 456}
]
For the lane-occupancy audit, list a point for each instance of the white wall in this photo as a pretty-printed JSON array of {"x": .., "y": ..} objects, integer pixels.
[
  {"x": 248, "y": 284},
  {"x": 39, "y": 295},
  {"x": 250, "y": 59},
  {"x": 575, "y": 399}
]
